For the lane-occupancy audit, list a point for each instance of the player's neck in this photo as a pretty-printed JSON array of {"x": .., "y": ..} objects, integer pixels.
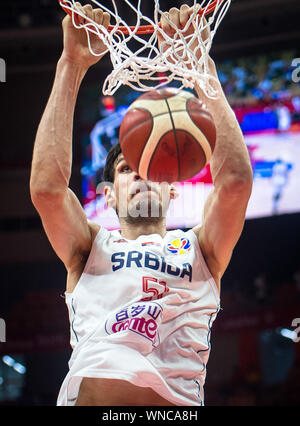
[{"x": 132, "y": 231}]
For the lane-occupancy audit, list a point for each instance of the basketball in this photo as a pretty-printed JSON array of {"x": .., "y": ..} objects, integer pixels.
[{"x": 167, "y": 135}]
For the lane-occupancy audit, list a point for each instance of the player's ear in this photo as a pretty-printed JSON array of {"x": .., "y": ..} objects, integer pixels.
[
  {"x": 173, "y": 192},
  {"x": 110, "y": 197}
]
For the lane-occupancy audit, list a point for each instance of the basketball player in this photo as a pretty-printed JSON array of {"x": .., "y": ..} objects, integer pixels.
[{"x": 141, "y": 300}]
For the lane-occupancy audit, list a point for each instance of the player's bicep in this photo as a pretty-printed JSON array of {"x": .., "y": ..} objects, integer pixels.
[
  {"x": 66, "y": 225},
  {"x": 223, "y": 222}
]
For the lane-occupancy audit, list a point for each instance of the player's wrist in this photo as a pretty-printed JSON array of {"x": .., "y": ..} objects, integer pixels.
[{"x": 77, "y": 66}]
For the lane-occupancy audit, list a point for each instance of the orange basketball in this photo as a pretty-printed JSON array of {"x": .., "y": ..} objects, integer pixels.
[{"x": 167, "y": 135}]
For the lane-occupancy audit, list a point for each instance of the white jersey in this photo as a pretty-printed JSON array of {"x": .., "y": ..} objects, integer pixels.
[{"x": 142, "y": 311}]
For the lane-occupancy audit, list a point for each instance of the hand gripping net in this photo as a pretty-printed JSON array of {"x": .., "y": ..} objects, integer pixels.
[{"x": 141, "y": 64}]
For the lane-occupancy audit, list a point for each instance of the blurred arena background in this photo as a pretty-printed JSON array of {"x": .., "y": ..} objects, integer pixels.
[{"x": 255, "y": 358}]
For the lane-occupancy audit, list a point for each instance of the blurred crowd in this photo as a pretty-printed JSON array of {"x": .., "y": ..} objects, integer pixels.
[
  {"x": 273, "y": 379},
  {"x": 248, "y": 389},
  {"x": 259, "y": 80},
  {"x": 265, "y": 290}
]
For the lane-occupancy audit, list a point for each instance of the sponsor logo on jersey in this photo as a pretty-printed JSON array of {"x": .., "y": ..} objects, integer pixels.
[
  {"x": 139, "y": 318},
  {"x": 179, "y": 246}
]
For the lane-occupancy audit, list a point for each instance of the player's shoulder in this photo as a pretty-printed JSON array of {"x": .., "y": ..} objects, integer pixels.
[
  {"x": 179, "y": 232},
  {"x": 94, "y": 229},
  {"x": 181, "y": 237},
  {"x": 197, "y": 230}
]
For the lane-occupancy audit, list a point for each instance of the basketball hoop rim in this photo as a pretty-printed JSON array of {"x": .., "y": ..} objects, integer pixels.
[{"x": 146, "y": 29}]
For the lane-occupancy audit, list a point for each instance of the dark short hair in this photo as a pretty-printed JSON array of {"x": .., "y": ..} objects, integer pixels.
[{"x": 109, "y": 170}]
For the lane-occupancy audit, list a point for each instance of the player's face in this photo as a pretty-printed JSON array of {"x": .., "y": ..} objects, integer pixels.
[{"x": 136, "y": 198}]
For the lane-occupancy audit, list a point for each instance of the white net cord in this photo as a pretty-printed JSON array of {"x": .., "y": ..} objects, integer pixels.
[{"x": 182, "y": 58}]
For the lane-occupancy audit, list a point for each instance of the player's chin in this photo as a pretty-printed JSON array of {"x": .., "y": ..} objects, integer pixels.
[{"x": 145, "y": 210}]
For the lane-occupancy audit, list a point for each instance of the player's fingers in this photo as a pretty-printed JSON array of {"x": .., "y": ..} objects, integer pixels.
[
  {"x": 194, "y": 9},
  {"x": 78, "y": 6},
  {"x": 166, "y": 27},
  {"x": 98, "y": 16},
  {"x": 206, "y": 32},
  {"x": 106, "y": 20},
  {"x": 79, "y": 19},
  {"x": 88, "y": 11},
  {"x": 184, "y": 15},
  {"x": 174, "y": 16}
]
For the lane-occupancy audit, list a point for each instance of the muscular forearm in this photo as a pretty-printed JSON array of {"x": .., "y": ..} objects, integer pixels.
[
  {"x": 52, "y": 156},
  {"x": 230, "y": 160}
]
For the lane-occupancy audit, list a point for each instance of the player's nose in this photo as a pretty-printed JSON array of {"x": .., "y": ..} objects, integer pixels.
[{"x": 136, "y": 176}]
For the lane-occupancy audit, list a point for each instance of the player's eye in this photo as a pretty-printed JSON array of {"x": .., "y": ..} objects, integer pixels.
[{"x": 125, "y": 169}]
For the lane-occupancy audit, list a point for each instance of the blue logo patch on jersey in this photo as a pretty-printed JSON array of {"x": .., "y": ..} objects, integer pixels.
[{"x": 179, "y": 246}]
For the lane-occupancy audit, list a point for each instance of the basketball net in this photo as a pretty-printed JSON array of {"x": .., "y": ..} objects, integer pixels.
[{"x": 142, "y": 64}]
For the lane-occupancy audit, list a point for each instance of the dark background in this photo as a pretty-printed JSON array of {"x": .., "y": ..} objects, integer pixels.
[{"x": 251, "y": 363}]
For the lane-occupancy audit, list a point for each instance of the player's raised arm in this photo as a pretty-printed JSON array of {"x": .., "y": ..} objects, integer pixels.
[
  {"x": 225, "y": 208},
  {"x": 63, "y": 218}
]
